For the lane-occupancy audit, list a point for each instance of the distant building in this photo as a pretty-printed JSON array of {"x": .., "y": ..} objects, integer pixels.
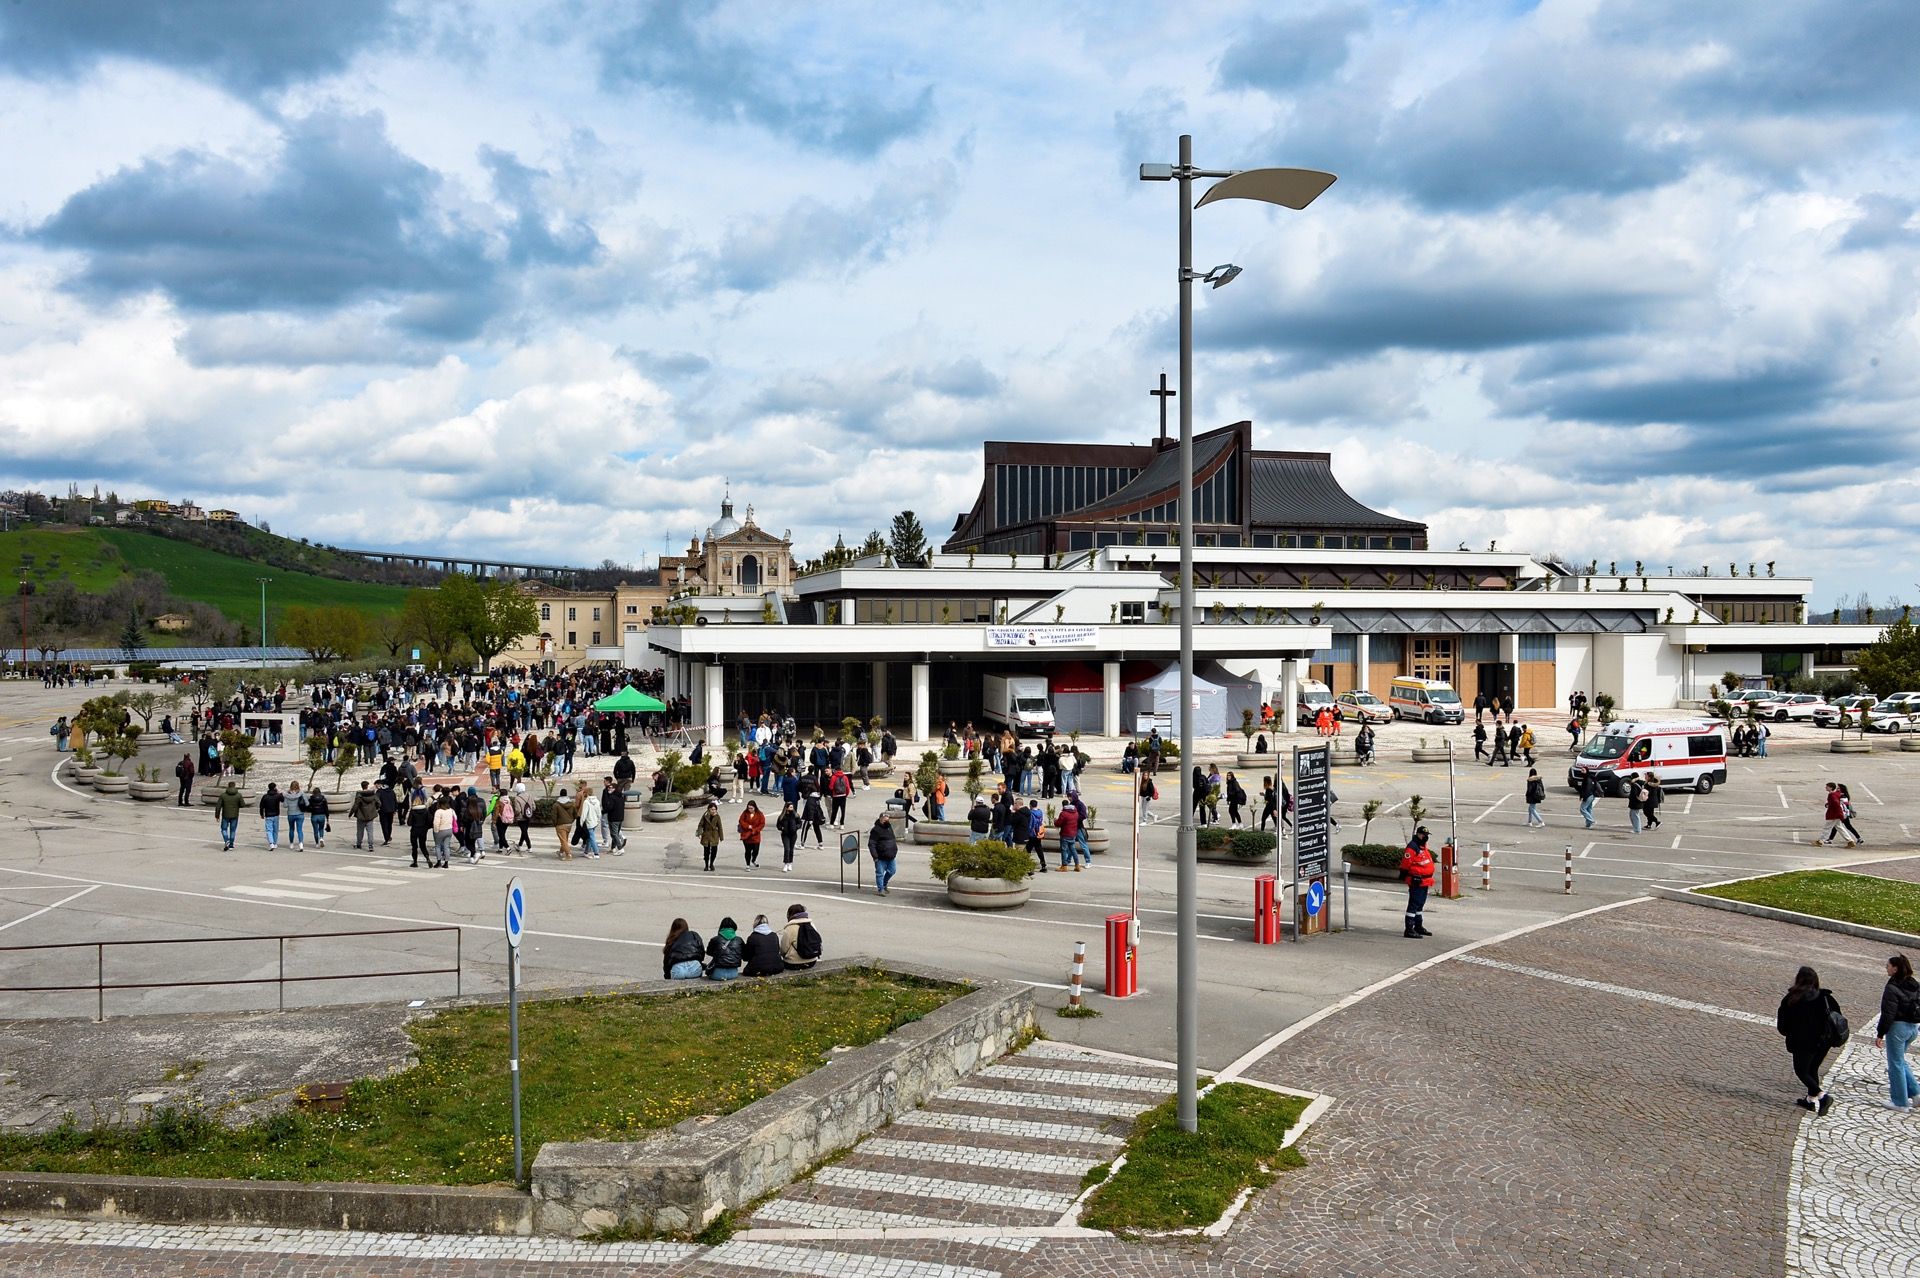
[
  {"x": 736, "y": 559},
  {"x": 579, "y": 627},
  {"x": 154, "y": 506},
  {"x": 224, "y": 517},
  {"x": 191, "y": 513},
  {"x": 173, "y": 622},
  {"x": 121, "y": 516}
]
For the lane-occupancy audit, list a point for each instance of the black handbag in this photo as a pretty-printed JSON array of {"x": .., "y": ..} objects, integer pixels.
[{"x": 1837, "y": 1023}]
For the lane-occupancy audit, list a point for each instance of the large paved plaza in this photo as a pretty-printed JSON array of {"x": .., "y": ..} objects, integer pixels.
[{"x": 1595, "y": 1090}]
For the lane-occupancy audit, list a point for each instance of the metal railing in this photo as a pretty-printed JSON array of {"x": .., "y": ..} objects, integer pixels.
[{"x": 280, "y": 980}]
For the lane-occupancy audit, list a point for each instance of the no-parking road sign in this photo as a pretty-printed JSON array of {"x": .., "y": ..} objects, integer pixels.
[{"x": 516, "y": 911}]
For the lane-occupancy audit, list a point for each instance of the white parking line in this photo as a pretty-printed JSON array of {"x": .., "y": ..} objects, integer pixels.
[
  {"x": 1782, "y": 791},
  {"x": 275, "y": 893},
  {"x": 1490, "y": 807},
  {"x": 47, "y": 909},
  {"x": 1863, "y": 789}
]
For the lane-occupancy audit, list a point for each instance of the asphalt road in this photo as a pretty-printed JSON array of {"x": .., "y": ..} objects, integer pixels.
[{"x": 80, "y": 867}]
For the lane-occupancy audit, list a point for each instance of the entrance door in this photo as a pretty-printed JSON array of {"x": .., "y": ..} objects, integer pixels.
[
  {"x": 1496, "y": 679},
  {"x": 1433, "y": 659},
  {"x": 749, "y": 572}
]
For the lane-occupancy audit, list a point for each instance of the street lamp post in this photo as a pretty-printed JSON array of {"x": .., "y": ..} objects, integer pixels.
[
  {"x": 1295, "y": 189},
  {"x": 263, "y": 614}
]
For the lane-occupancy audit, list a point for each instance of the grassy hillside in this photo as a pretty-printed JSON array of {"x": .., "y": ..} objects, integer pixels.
[{"x": 94, "y": 558}]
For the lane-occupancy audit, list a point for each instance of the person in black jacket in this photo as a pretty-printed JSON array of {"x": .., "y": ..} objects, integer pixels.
[
  {"x": 1899, "y": 1024},
  {"x": 883, "y": 847},
  {"x": 1806, "y": 1021},
  {"x": 680, "y": 960},
  {"x": 979, "y": 820},
  {"x": 762, "y": 950},
  {"x": 724, "y": 952},
  {"x": 1650, "y": 801},
  {"x": 1536, "y": 795}
]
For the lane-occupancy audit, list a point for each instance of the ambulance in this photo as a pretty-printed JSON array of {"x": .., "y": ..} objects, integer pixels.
[{"x": 1681, "y": 755}]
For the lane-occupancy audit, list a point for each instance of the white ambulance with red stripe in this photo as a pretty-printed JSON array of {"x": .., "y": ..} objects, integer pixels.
[{"x": 1681, "y": 755}]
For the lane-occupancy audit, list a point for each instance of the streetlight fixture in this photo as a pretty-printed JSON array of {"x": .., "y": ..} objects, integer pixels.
[
  {"x": 263, "y": 614},
  {"x": 1294, "y": 189}
]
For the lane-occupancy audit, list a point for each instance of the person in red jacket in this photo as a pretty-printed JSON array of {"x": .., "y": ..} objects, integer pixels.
[
  {"x": 1067, "y": 826},
  {"x": 1416, "y": 868}
]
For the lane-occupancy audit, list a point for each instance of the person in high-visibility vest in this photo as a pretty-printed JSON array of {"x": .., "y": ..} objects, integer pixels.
[{"x": 1416, "y": 869}]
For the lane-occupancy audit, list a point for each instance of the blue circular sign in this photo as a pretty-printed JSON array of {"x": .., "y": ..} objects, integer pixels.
[
  {"x": 1316, "y": 896},
  {"x": 516, "y": 912}
]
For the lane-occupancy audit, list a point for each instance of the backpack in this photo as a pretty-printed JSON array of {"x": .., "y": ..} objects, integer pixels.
[
  {"x": 1837, "y": 1023},
  {"x": 1908, "y": 1008},
  {"x": 807, "y": 941}
]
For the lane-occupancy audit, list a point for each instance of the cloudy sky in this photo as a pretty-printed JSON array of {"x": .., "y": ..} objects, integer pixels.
[{"x": 1614, "y": 278}]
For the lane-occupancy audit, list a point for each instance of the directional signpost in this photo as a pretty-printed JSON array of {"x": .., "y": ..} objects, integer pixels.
[
  {"x": 1312, "y": 838},
  {"x": 516, "y": 926}
]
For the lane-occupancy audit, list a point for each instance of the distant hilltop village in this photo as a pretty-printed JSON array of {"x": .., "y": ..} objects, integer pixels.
[{"x": 79, "y": 508}]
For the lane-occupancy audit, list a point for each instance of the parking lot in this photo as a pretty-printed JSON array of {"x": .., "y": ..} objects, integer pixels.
[{"x": 76, "y": 866}]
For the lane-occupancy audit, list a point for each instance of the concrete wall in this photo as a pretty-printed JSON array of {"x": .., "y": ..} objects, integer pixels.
[
  {"x": 1572, "y": 667},
  {"x": 1639, "y": 671},
  {"x": 679, "y": 1181}
]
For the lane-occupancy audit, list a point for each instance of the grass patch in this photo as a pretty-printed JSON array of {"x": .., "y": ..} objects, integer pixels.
[
  {"x": 1833, "y": 894},
  {"x": 1184, "y": 1180},
  {"x": 595, "y": 1068},
  {"x": 1080, "y": 1013},
  {"x": 185, "y": 1071}
]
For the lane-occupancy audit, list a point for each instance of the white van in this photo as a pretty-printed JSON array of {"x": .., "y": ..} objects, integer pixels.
[
  {"x": 1427, "y": 700},
  {"x": 1314, "y": 697},
  {"x": 1685, "y": 755}
]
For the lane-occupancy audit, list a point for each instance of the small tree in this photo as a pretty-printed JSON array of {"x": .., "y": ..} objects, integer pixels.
[
  {"x": 1604, "y": 702},
  {"x": 316, "y": 758},
  {"x": 1416, "y": 813},
  {"x": 133, "y": 637},
  {"x": 121, "y": 746},
  {"x": 1731, "y": 681},
  {"x": 1246, "y": 725},
  {"x": 975, "y": 782},
  {"x": 144, "y": 703},
  {"x": 850, "y": 727},
  {"x": 928, "y": 772},
  {"x": 1368, "y": 811},
  {"x": 236, "y": 748},
  {"x": 343, "y": 764}
]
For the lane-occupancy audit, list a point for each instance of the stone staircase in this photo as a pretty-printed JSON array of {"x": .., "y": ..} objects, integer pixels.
[{"x": 981, "y": 1170}]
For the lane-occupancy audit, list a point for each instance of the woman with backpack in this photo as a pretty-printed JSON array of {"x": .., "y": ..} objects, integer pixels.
[
  {"x": 1236, "y": 799},
  {"x": 709, "y": 833},
  {"x": 724, "y": 953},
  {"x": 1899, "y": 1023},
  {"x": 752, "y": 824},
  {"x": 1536, "y": 794},
  {"x": 1810, "y": 1020}
]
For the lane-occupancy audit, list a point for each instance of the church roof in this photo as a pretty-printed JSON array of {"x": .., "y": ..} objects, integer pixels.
[{"x": 1300, "y": 488}]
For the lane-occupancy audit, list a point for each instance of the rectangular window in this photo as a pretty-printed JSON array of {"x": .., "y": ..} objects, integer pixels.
[
  {"x": 596, "y": 614},
  {"x": 596, "y": 638},
  {"x": 633, "y": 627},
  {"x": 1106, "y": 539},
  {"x": 1133, "y": 613},
  {"x": 573, "y": 639},
  {"x": 1403, "y": 543},
  {"x": 1537, "y": 647},
  {"x": 1230, "y": 539},
  {"x": 546, "y": 612},
  {"x": 1079, "y": 541},
  {"x": 572, "y": 614},
  {"x": 633, "y": 609},
  {"x": 1702, "y": 747}
]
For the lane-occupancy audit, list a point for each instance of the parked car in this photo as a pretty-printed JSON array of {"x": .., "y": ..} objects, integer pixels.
[
  {"x": 1844, "y": 710},
  {"x": 1796, "y": 705},
  {"x": 1894, "y": 718},
  {"x": 1361, "y": 707},
  {"x": 1899, "y": 702}
]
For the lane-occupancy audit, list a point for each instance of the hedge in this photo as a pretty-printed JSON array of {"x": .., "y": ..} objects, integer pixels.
[
  {"x": 1384, "y": 855},
  {"x": 987, "y": 859},
  {"x": 1251, "y": 844}
]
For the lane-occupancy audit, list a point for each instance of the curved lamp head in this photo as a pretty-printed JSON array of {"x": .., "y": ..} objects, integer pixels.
[{"x": 1294, "y": 188}]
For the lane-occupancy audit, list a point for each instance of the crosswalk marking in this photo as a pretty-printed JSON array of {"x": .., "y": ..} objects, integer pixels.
[
  {"x": 277, "y": 893},
  {"x": 927, "y": 1151},
  {"x": 1043, "y": 1100},
  {"x": 349, "y": 876},
  {"x": 991, "y": 1126},
  {"x": 958, "y": 1191},
  {"x": 1077, "y": 1078},
  {"x": 773, "y": 1258},
  {"x": 335, "y": 888}
]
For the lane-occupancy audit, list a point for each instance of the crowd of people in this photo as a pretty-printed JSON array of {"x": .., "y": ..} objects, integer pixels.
[
  {"x": 1811, "y": 1022},
  {"x": 795, "y": 947}
]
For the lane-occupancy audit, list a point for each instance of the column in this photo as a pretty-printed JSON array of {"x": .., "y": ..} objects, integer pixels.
[
  {"x": 1287, "y": 714},
  {"x": 846, "y": 611},
  {"x": 880, "y": 689},
  {"x": 715, "y": 706},
  {"x": 1363, "y": 663},
  {"x": 1110, "y": 699},
  {"x": 1510, "y": 655},
  {"x": 922, "y": 701},
  {"x": 696, "y": 692}
]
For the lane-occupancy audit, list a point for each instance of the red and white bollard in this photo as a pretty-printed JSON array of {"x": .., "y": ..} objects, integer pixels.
[
  {"x": 1486, "y": 868},
  {"x": 1122, "y": 971},
  {"x": 1569, "y": 869},
  {"x": 1079, "y": 966},
  {"x": 1266, "y": 909},
  {"x": 1449, "y": 873}
]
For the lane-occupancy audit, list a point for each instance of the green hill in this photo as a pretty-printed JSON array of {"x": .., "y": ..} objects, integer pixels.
[{"x": 94, "y": 558}]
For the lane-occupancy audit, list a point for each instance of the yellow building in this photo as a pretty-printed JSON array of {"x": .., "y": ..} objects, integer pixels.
[
  {"x": 581, "y": 627},
  {"x": 736, "y": 559}
]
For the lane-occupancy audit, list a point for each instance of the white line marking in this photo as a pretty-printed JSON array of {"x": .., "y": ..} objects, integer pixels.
[
  {"x": 1688, "y": 809},
  {"x": 1305, "y": 1023},
  {"x": 772, "y": 1258},
  {"x": 1490, "y": 807},
  {"x": 277, "y": 893},
  {"x": 1676, "y": 841},
  {"x": 1782, "y": 790},
  {"x": 1590, "y": 847},
  {"x": 1863, "y": 789},
  {"x": 47, "y": 909},
  {"x": 1624, "y": 991},
  {"x": 333, "y": 889}
]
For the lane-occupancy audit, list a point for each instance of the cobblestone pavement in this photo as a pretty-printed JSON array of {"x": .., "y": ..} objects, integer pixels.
[{"x": 1605, "y": 1096}]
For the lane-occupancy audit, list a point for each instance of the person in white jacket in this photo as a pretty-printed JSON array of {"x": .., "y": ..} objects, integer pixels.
[{"x": 589, "y": 819}]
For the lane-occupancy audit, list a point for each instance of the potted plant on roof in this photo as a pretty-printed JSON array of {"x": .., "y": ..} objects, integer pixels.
[{"x": 988, "y": 875}]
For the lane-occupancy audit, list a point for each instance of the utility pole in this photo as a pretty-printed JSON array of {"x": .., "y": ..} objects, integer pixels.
[{"x": 263, "y": 613}]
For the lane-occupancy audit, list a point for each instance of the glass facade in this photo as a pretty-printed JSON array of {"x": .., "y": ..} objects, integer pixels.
[
  {"x": 1022, "y": 494},
  {"x": 922, "y": 611}
]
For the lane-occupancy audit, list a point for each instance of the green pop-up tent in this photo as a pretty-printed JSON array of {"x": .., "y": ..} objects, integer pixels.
[{"x": 629, "y": 698}]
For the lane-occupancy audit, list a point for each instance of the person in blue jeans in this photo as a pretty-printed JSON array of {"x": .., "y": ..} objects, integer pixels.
[
  {"x": 884, "y": 847},
  {"x": 227, "y": 808},
  {"x": 270, "y": 804},
  {"x": 1588, "y": 790},
  {"x": 1899, "y": 1023},
  {"x": 724, "y": 952}
]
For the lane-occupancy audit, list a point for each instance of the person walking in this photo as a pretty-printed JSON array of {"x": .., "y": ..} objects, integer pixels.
[
  {"x": 1636, "y": 801},
  {"x": 1236, "y": 799},
  {"x": 1416, "y": 871},
  {"x": 1479, "y": 740},
  {"x": 587, "y": 819},
  {"x": 1034, "y": 821},
  {"x": 938, "y": 797},
  {"x": 296, "y": 817},
  {"x": 1269, "y": 805},
  {"x": 709, "y": 833},
  {"x": 365, "y": 810},
  {"x": 389, "y": 805},
  {"x": 1899, "y": 1023},
  {"x": 523, "y": 817},
  {"x": 270, "y": 804},
  {"x": 752, "y": 824},
  {"x": 762, "y": 950},
  {"x": 319, "y": 812},
  {"x": 227, "y": 809},
  {"x": 1527, "y": 743},
  {"x": 788, "y": 824},
  {"x": 445, "y": 822},
  {"x": 1513, "y": 740},
  {"x": 1846, "y": 811},
  {"x": 1808, "y": 1019},
  {"x": 1836, "y": 815},
  {"x": 680, "y": 956},
  {"x": 500, "y": 816},
  {"x": 419, "y": 827},
  {"x": 1536, "y": 794},
  {"x": 1588, "y": 789},
  {"x": 613, "y": 810},
  {"x": 814, "y": 818},
  {"x": 1650, "y": 801},
  {"x": 800, "y": 942},
  {"x": 1148, "y": 793},
  {"x": 1067, "y": 827},
  {"x": 1499, "y": 754},
  {"x": 184, "y": 771},
  {"x": 884, "y": 847}
]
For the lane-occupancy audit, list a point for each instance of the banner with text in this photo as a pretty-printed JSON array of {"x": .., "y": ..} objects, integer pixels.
[
  {"x": 1312, "y": 834},
  {"x": 1040, "y": 636}
]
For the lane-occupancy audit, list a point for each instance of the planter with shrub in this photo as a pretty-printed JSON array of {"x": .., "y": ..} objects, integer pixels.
[
  {"x": 1373, "y": 860},
  {"x": 938, "y": 832},
  {"x": 987, "y": 875},
  {"x": 667, "y": 807},
  {"x": 1222, "y": 846}
]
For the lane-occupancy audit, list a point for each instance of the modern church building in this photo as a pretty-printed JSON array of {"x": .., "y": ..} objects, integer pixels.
[{"x": 1067, "y": 567}]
